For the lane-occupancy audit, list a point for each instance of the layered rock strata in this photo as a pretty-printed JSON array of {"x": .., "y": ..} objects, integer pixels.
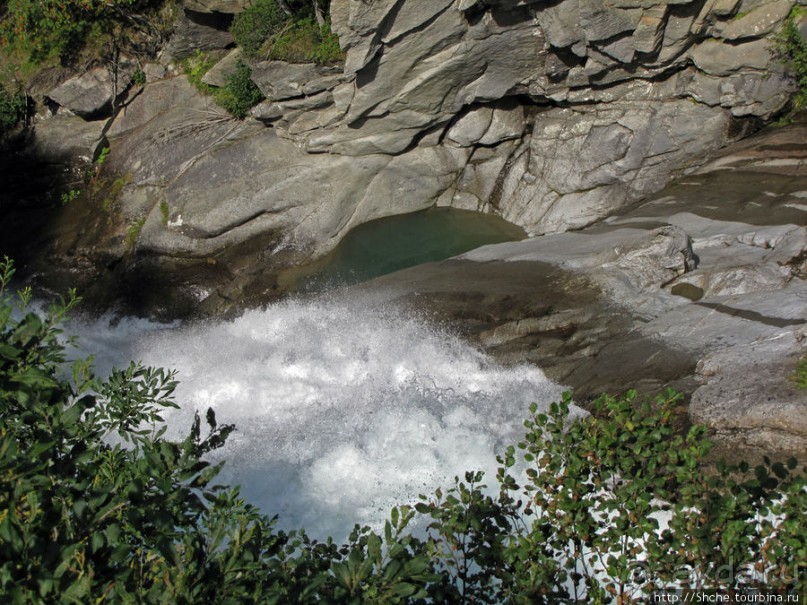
[{"x": 552, "y": 115}]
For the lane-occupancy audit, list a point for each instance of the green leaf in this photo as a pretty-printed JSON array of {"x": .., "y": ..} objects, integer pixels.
[
  {"x": 97, "y": 541},
  {"x": 9, "y": 352}
]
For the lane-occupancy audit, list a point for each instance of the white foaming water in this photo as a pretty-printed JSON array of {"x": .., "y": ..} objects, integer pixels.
[{"x": 342, "y": 409}]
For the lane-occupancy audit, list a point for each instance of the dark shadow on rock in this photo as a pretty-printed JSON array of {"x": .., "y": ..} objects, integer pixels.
[
  {"x": 62, "y": 227},
  {"x": 535, "y": 312},
  {"x": 30, "y": 200}
]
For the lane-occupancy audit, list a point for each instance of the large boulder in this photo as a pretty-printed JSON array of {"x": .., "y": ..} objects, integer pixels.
[
  {"x": 216, "y": 6},
  {"x": 194, "y": 32},
  {"x": 279, "y": 80},
  {"x": 760, "y": 21},
  {"x": 719, "y": 59},
  {"x": 91, "y": 93},
  {"x": 421, "y": 81},
  {"x": 585, "y": 163},
  {"x": 221, "y": 72},
  {"x": 66, "y": 138}
]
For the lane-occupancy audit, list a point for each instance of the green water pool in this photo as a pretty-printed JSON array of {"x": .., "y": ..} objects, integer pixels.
[{"x": 390, "y": 244}]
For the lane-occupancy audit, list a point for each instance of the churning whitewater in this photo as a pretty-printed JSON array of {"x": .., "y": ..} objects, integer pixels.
[{"x": 343, "y": 408}]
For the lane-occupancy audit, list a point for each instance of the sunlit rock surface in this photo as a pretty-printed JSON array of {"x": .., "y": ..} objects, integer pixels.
[
  {"x": 554, "y": 117},
  {"x": 701, "y": 287}
]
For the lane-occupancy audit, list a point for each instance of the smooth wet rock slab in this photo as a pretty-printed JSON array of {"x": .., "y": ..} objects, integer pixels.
[{"x": 66, "y": 138}]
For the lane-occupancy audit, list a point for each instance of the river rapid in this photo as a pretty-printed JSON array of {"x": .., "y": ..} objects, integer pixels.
[{"x": 343, "y": 407}]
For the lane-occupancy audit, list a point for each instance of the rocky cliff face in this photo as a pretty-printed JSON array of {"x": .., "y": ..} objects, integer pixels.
[
  {"x": 566, "y": 111},
  {"x": 551, "y": 114}
]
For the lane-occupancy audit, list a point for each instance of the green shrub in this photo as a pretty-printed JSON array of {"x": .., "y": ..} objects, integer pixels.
[
  {"x": 92, "y": 501},
  {"x": 97, "y": 505},
  {"x": 139, "y": 77},
  {"x": 296, "y": 43},
  {"x": 626, "y": 464},
  {"x": 58, "y": 29},
  {"x": 69, "y": 196},
  {"x": 296, "y": 37},
  {"x": 237, "y": 97},
  {"x": 195, "y": 67},
  {"x": 11, "y": 108},
  {"x": 305, "y": 41},
  {"x": 253, "y": 26},
  {"x": 45, "y": 29},
  {"x": 791, "y": 48},
  {"x": 102, "y": 156},
  {"x": 240, "y": 94},
  {"x": 329, "y": 50}
]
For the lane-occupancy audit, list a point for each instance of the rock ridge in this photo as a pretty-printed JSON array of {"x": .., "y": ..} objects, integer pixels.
[{"x": 554, "y": 116}]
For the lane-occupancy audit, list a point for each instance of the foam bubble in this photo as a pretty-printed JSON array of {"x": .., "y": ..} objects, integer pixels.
[{"x": 342, "y": 409}]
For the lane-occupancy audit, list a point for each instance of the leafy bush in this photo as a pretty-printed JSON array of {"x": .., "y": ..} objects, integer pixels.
[
  {"x": 237, "y": 97},
  {"x": 102, "y": 156},
  {"x": 59, "y": 28},
  {"x": 791, "y": 48},
  {"x": 255, "y": 24},
  {"x": 69, "y": 196},
  {"x": 96, "y": 504},
  {"x": 240, "y": 94},
  {"x": 597, "y": 487},
  {"x": 305, "y": 41},
  {"x": 11, "y": 108},
  {"x": 296, "y": 37},
  {"x": 80, "y": 515},
  {"x": 139, "y": 77},
  {"x": 195, "y": 67},
  {"x": 329, "y": 50}
]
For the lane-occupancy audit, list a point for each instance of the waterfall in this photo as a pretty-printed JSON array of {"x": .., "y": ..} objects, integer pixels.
[{"x": 343, "y": 408}]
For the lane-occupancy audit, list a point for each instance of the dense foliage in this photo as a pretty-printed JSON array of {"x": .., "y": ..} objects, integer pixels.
[
  {"x": 96, "y": 504},
  {"x": 252, "y": 27},
  {"x": 240, "y": 94},
  {"x": 237, "y": 96},
  {"x": 11, "y": 108},
  {"x": 287, "y": 31},
  {"x": 60, "y": 28},
  {"x": 306, "y": 41},
  {"x": 791, "y": 48}
]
